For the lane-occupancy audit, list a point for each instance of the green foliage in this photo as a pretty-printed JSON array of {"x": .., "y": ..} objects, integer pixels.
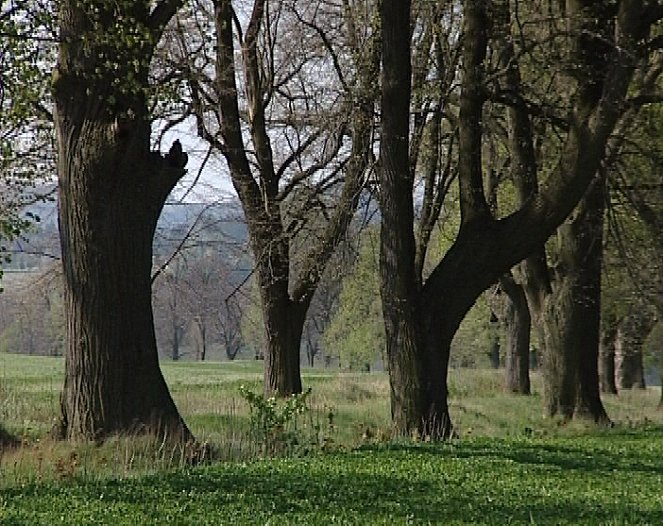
[
  {"x": 252, "y": 323},
  {"x": 653, "y": 349},
  {"x": 632, "y": 279},
  {"x": 472, "y": 340},
  {"x": 356, "y": 331},
  {"x": 26, "y": 144}
]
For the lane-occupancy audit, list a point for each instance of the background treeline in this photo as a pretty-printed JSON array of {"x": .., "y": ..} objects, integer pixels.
[
  {"x": 204, "y": 298},
  {"x": 205, "y": 301}
]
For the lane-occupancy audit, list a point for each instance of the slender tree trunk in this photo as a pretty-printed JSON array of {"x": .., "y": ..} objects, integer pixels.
[
  {"x": 175, "y": 347},
  {"x": 518, "y": 323},
  {"x": 111, "y": 191},
  {"x": 494, "y": 351},
  {"x": 607, "y": 358},
  {"x": 203, "y": 342}
]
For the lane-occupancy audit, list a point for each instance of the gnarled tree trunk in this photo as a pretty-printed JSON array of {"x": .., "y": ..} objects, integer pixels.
[{"x": 111, "y": 191}]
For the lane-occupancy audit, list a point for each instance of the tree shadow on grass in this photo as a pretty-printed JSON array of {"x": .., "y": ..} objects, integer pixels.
[
  {"x": 601, "y": 457},
  {"x": 338, "y": 488}
]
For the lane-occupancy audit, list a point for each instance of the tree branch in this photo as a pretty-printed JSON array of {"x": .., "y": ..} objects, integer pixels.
[{"x": 162, "y": 13}]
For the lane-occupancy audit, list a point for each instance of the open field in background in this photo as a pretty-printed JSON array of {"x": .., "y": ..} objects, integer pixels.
[
  {"x": 207, "y": 394},
  {"x": 510, "y": 465}
]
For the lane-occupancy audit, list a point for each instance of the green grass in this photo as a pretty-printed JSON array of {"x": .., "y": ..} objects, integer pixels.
[
  {"x": 610, "y": 478},
  {"x": 510, "y": 466}
]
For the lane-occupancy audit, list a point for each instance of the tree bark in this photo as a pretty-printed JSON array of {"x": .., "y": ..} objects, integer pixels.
[
  {"x": 397, "y": 243},
  {"x": 573, "y": 313},
  {"x": 629, "y": 340},
  {"x": 607, "y": 360},
  {"x": 284, "y": 322},
  {"x": 607, "y": 357},
  {"x": 111, "y": 191},
  {"x": 517, "y": 321}
]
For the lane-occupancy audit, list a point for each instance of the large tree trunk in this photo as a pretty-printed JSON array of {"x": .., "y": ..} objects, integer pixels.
[
  {"x": 284, "y": 323},
  {"x": 573, "y": 313},
  {"x": 111, "y": 191},
  {"x": 399, "y": 289}
]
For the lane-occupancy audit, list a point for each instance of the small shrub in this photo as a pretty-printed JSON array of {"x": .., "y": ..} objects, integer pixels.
[{"x": 284, "y": 426}]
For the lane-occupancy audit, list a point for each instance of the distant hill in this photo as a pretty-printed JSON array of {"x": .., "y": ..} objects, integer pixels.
[{"x": 219, "y": 222}]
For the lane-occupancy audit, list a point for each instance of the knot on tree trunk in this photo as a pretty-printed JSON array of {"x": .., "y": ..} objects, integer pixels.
[{"x": 176, "y": 157}]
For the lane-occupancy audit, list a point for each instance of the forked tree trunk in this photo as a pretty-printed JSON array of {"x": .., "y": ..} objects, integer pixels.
[
  {"x": 259, "y": 184},
  {"x": 421, "y": 321},
  {"x": 411, "y": 410},
  {"x": 111, "y": 191}
]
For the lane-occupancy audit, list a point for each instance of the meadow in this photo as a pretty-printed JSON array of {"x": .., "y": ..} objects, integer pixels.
[{"x": 337, "y": 465}]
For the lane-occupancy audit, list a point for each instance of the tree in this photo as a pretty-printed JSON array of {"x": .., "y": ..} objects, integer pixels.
[
  {"x": 283, "y": 130},
  {"x": 634, "y": 279},
  {"x": 356, "y": 331},
  {"x": 517, "y": 322},
  {"x": 112, "y": 188},
  {"x": 628, "y": 348},
  {"x": 421, "y": 320},
  {"x": 170, "y": 312},
  {"x": 572, "y": 313},
  {"x": 521, "y": 160},
  {"x": 212, "y": 301},
  {"x": 32, "y": 313},
  {"x": 26, "y": 147}
]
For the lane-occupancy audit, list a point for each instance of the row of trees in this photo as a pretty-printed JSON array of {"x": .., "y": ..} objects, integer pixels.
[{"x": 502, "y": 118}]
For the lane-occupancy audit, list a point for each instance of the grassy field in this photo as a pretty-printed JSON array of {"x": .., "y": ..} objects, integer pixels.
[{"x": 509, "y": 466}]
